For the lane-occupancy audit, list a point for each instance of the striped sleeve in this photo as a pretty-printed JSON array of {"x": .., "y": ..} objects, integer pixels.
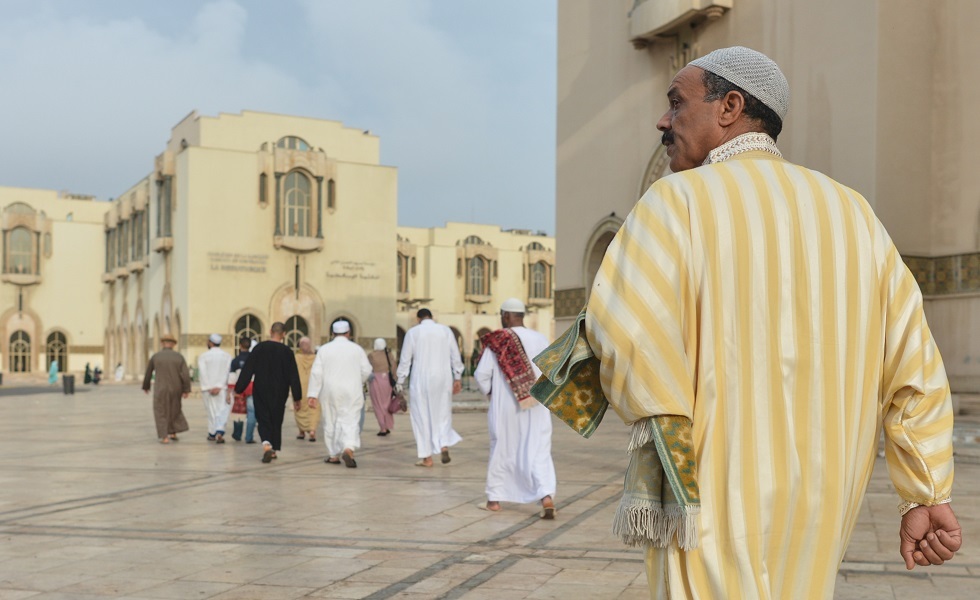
[
  {"x": 916, "y": 405},
  {"x": 640, "y": 321}
]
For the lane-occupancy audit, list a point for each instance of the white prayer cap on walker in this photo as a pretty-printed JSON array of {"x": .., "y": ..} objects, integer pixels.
[
  {"x": 215, "y": 339},
  {"x": 513, "y": 305},
  {"x": 752, "y": 71},
  {"x": 380, "y": 344},
  {"x": 341, "y": 327}
]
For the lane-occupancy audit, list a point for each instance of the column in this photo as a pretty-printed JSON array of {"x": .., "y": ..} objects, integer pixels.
[
  {"x": 319, "y": 207},
  {"x": 278, "y": 215}
]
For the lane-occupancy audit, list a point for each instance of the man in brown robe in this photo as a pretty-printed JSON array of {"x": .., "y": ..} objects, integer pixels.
[
  {"x": 173, "y": 382},
  {"x": 307, "y": 419}
]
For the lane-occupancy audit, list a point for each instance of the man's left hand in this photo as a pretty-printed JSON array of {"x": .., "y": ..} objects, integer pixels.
[
  {"x": 930, "y": 535},
  {"x": 457, "y": 386},
  {"x": 215, "y": 391}
]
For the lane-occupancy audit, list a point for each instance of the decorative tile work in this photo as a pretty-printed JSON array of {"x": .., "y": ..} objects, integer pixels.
[
  {"x": 86, "y": 349},
  {"x": 944, "y": 275},
  {"x": 568, "y": 303}
]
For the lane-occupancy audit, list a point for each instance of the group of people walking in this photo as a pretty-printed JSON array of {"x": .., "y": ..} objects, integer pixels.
[{"x": 327, "y": 389}]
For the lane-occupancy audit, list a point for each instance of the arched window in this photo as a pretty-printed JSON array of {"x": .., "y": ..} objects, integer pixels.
[
  {"x": 535, "y": 246},
  {"x": 351, "y": 323},
  {"x": 539, "y": 281},
  {"x": 57, "y": 350},
  {"x": 296, "y": 328},
  {"x": 402, "y": 273},
  {"x": 20, "y": 252},
  {"x": 291, "y": 142},
  {"x": 474, "y": 240},
  {"x": 297, "y": 205},
  {"x": 249, "y": 326},
  {"x": 20, "y": 352},
  {"x": 476, "y": 281}
]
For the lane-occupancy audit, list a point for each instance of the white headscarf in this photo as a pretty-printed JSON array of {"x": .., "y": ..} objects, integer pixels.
[{"x": 380, "y": 344}]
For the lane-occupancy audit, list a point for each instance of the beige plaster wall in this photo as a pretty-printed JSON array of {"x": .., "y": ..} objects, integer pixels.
[
  {"x": 882, "y": 100},
  {"x": 436, "y": 279},
  {"x": 68, "y": 296}
]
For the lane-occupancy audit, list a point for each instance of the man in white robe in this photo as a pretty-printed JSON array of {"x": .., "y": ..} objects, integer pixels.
[
  {"x": 520, "y": 468},
  {"x": 212, "y": 368},
  {"x": 431, "y": 354},
  {"x": 337, "y": 379}
]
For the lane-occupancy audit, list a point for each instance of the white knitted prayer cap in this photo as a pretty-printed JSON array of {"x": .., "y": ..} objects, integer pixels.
[
  {"x": 215, "y": 339},
  {"x": 752, "y": 71},
  {"x": 513, "y": 305},
  {"x": 341, "y": 327}
]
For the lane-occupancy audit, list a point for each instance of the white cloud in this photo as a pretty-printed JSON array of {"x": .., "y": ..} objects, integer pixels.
[
  {"x": 88, "y": 104},
  {"x": 464, "y": 104}
]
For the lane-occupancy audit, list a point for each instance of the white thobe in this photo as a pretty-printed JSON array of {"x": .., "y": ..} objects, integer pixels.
[
  {"x": 430, "y": 353},
  {"x": 213, "y": 368},
  {"x": 337, "y": 381},
  {"x": 520, "y": 467}
]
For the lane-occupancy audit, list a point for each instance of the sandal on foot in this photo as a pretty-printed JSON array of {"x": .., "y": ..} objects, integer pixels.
[
  {"x": 312, "y": 439},
  {"x": 267, "y": 456},
  {"x": 548, "y": 509},
  {"x": 445, "y": 456},
  {"x": 421, "y": 463},
  {"x": 349, "y": 460},
  {"x": 332, "y": 461}
]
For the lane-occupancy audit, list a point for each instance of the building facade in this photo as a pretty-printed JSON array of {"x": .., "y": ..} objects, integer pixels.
[
  {"x": 878, "y": 102},
  {"x": 49, "y": 290},
  {"x": 463, "y": 272},
  {"x": 246, "y": 220}
]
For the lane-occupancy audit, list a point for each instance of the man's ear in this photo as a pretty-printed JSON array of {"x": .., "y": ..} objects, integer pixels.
[{"x": 732, "y": 106}]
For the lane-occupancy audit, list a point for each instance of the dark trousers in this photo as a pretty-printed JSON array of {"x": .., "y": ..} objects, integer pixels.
[{"x": 269, "y": 414}]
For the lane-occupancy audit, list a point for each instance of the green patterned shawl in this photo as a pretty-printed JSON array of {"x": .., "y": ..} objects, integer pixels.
[{"x": 660, "y": 496}]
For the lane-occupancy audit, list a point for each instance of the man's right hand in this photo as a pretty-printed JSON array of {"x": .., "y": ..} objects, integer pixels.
[
  {"x": 930, "y": 535},
  {"x": 399, "y": 388},
  {"x": 146, "y": 391}
]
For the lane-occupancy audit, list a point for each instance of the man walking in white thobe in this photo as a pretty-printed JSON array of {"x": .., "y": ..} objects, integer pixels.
[
  {"x": 337, "y": 379},
  {"x": 212, "y": 373},
  {"x": 431, "y": 354},
  {"x": 520, "y": 467}
]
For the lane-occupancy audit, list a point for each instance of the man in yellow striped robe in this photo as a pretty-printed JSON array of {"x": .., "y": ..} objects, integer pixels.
[{"x": 766, "y": 302}]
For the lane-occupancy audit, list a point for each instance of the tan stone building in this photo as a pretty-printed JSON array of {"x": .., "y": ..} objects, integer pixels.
[
  {"x": 246, "y": 220},
  {"x": 49, "y": 286},
  {"x": 881, "y": 99},
  {"x": 463, "y": 272}
]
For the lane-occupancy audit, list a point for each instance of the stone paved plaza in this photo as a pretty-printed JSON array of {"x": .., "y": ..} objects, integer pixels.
[{"x": 91, "y": 506}]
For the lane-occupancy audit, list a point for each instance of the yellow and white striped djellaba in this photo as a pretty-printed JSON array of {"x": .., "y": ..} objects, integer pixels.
[{"x": 767, "y": 303}]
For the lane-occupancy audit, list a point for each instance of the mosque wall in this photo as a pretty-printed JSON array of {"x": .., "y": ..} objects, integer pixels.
[
  {"x": 49, "y": 289},
  {"x": 463, "y": 272},
  {"x": 879, "y": 101}
]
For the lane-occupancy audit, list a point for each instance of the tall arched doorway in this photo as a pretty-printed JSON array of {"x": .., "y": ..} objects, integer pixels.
[
  {"x": 57, "y": 350},
  {"x": 249, "y": 326},
  {"x": 296, "y": 328},
  {"x": 20, "y": 352}
]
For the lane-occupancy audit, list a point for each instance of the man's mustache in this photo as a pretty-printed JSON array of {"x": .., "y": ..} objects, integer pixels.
[{"x": 667, "y": 137}]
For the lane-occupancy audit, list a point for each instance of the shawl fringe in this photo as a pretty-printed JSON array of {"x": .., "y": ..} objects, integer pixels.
[
  {"x": 641, "y": 434},
  {"x": 641, "y": 523}
]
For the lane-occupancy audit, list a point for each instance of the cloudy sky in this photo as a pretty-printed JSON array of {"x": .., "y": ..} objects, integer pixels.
[{"x": 461, "y": 92}]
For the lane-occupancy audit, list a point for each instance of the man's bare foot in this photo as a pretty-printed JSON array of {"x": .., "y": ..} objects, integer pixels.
[
  {"x": 493, "y": 506},
  {"x": 165, "y": 440},
  {"x": 548, "y": 508},
  {"x": 424, "y": 462}
]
